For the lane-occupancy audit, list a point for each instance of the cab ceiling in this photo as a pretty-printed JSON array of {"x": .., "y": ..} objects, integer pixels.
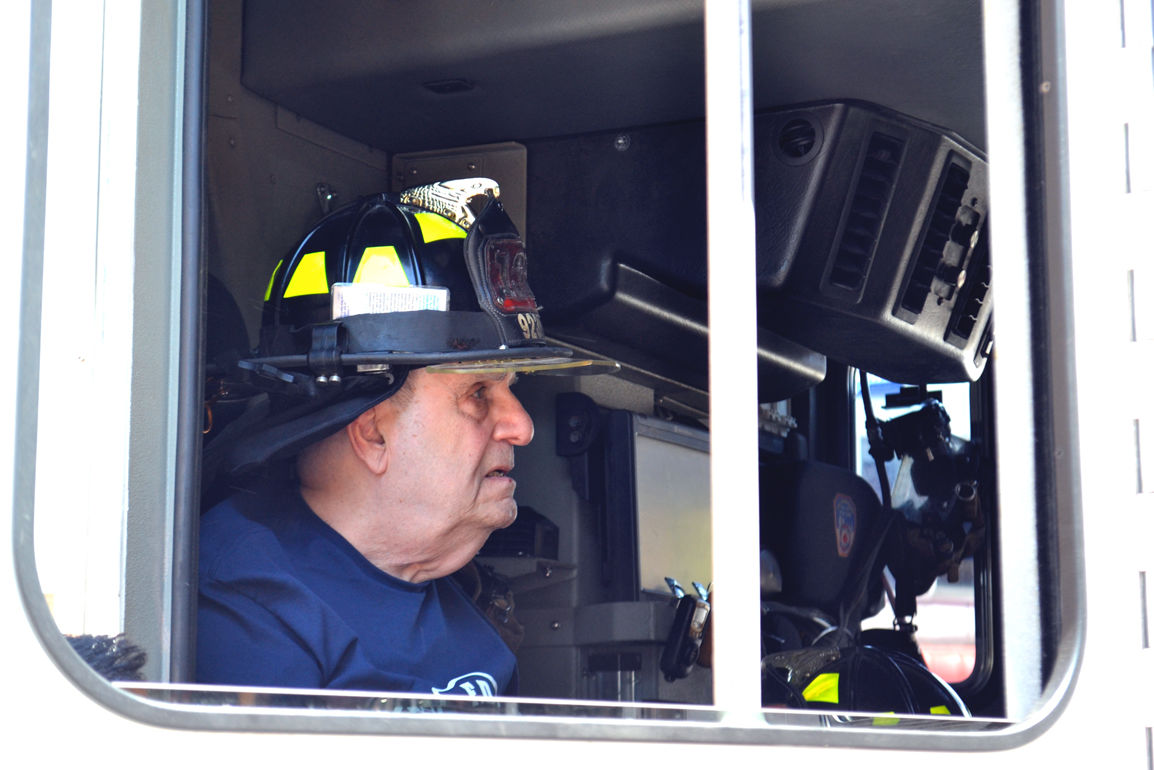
[{"x": 405, "y": 76}]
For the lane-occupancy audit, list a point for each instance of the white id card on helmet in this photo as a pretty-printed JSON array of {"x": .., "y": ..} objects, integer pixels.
[{"x": 361, "y": 298}]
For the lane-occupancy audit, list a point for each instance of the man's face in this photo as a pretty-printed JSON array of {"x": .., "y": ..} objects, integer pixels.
[{"x": 450, "y": 445}]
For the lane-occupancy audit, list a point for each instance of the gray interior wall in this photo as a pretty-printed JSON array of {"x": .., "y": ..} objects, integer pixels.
[{"x": 263, "y": 165}]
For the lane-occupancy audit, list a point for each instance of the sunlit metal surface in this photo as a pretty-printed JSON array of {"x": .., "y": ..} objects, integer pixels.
[
  {"x": 1017, "y": 495},
  {"x": 732, "y": 358},
  {"x": 696, "y": 722}
]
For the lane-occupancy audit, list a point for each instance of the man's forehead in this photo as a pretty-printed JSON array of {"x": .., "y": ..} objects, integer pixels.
[
  {"x": 470, "y": 377},
  {"x": 432, "y": 382}
]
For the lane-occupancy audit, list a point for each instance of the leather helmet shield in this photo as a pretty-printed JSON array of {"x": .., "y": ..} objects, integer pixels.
[{"x": 497, "y": 264}]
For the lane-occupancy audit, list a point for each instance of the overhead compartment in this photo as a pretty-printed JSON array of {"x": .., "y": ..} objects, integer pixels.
[
  {"x": 871, "y": 246},
  {"x": 616, "y": 230},
  {"x": 872, "y": 241}
]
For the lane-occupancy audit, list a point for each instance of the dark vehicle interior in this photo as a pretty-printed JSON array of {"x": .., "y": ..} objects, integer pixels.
[{"x": 871, "y": 196}]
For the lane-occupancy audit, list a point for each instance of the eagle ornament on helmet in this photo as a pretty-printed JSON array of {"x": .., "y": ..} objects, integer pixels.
[{"x": 433, "y": 277}]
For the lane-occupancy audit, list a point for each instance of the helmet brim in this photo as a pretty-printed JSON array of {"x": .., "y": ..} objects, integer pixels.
[
  {"x": 285, "y": 434},
  {"x": 560, "y": 365}
]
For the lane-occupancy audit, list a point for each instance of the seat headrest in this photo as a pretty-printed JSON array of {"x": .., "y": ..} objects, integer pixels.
[{"x": 820, "y": 521}]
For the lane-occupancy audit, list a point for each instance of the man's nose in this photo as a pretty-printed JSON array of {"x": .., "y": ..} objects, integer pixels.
[{"x": 513, "y": 423}]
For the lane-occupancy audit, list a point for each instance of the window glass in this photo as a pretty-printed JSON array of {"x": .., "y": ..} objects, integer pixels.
[
  {"x": 583, "y": 630},
  {"x": 946, "y": 612}
]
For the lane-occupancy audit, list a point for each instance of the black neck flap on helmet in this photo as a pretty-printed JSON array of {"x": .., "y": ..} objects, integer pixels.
[{"x": 436, "y": 277}]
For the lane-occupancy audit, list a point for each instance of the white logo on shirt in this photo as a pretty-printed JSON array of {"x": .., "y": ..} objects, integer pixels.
[{"x": 475, "y": 684}]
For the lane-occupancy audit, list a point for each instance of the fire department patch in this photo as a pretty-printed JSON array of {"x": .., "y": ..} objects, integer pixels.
[{"x": 844, "y": 523}]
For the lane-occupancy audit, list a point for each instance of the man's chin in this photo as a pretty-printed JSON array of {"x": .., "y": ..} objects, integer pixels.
[
  {"x": 511, "y": 516},
  {"x": 496, "y": 513}
]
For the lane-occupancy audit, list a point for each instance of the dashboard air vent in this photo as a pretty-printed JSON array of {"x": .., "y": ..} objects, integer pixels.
[
  {"x": 868, "y": 204},
  {"x": 977, "y": 286},
  {"x": 949, "y": 225}
]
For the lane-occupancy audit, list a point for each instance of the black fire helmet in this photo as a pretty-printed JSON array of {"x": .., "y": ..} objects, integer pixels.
[{"x": 433, "y": 277}]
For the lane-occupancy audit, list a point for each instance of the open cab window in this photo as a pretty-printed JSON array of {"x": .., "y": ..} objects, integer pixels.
[{"x": 703, "y": 533}]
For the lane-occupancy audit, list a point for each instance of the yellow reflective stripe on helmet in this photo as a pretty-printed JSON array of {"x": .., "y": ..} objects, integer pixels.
[
  {"x": 309, "y": 277},
  {"x": 940, "y": 710},
  {"x": 271, "y": 279},
  {"x": 823, "y": 689},
  {"x": 435, "y": 227},
  {"x": 380, "y": 264}
]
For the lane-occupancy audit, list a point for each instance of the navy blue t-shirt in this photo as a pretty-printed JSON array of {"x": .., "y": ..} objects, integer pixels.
[{"x": 285, "y": 601}]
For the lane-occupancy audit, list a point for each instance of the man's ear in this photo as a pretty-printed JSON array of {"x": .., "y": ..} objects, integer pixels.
[{"x": 368, "y": 441}]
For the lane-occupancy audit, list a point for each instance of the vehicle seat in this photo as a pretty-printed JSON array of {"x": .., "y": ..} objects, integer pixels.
[
  {"x": 826, "y": 527},
  {"x": 830, "y": 538}
]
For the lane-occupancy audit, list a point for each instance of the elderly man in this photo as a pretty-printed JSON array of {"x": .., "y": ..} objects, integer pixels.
[{"x": 390, "y": 342}]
